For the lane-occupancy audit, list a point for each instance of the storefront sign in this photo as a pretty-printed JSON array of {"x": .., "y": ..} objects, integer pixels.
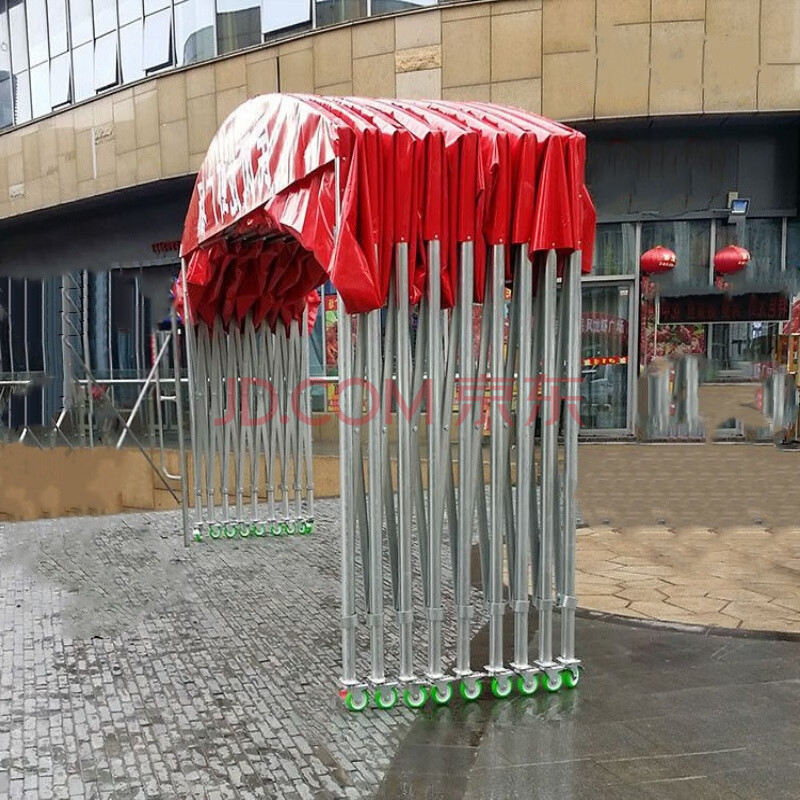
[
  {"x": 605, "y": 324},
  {"x": 753, "y": 307}
]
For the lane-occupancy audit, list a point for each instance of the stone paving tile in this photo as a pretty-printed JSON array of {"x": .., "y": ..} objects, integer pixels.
[
  {"x": 718, "y": 542},
  {"x": 131, "y": 667}
]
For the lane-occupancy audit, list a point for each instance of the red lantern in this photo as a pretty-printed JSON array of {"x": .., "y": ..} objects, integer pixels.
[
  {"x": 730, "y": 259},
  {"x": 656, "y": 260}
]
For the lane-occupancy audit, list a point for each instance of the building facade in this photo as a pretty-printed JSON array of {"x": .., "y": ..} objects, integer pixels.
[{"x": 107, "y": 108}]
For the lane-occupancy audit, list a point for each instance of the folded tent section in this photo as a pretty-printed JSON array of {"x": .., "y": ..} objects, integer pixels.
[
  {"x": 412, "y": 208},
  {"x": 261, "y": 230}
]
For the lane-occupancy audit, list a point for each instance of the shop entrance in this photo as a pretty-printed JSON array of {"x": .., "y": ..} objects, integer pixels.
[{"x": 607, "y": 355}]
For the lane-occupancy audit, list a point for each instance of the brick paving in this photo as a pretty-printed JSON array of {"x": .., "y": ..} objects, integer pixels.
[
  {"x": 133, "y": 668},
  {"x": 706, "y": 535}
]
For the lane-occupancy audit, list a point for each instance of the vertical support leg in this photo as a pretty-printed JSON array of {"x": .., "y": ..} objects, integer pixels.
[
  {"x": 404, "y": 483},
  {"x": 375, "y": 481},
  {"x": 435, "y": 462},
  {"x": 346, "y": 499},
  {"x": 465, "y": 474},
  {"x": 525, "y": 462},
  {"x": 499, "y": 478},
  {"x": 176, "y": 361},
  {"x": 567, "y": 600},
  {"x": 544, "y": 589}
]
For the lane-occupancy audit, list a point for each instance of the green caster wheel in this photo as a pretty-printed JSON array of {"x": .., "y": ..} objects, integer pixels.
[
  {"x": 284, "y": 528},
  {"x": 275, "y": 529},
  {"x": 291, "y": 528},
  {"x": 259, "y": 530},
  {"x": 442, "y": 694},
  {"x": 502, "y": 686},
  {"x": 415, "y": 697},
  {"x": 356, "y": 699},
  {"x": 551, "y": 683},
  {"x": 470, "y": 694},
  {"x": 245, "y": 530},
  {"x": 527, "y": 687},
  {"x": 214, "y": 531},
  {"x": 571, "y": 677},
  {"x": 197, "y": 534},
  {"x": 230, "y": 530},
  {"x": 386, "y": 697},
  {"x": 310, "y": 526}
]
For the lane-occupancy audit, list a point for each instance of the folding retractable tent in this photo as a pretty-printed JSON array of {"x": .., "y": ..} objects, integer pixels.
[{"x": 424, "y": 207}]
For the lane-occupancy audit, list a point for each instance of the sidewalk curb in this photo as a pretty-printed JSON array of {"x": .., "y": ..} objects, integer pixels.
[{"x": 681, "y": 627}]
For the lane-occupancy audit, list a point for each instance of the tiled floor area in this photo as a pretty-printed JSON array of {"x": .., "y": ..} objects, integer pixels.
[{"x": 706, "y": 535}]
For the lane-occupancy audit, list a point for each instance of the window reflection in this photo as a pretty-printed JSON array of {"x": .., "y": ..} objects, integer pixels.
[
  {"x": 151, "y": 6},
  {"x": 80, "y": 19},
  {"x": 106, "y": 65},
  {"x": 158, "y": 40},
  {"x": 280, "y": 14},
  {"x": 762, "y": 239},
  {"x": 691, "y": 242},
  {"x": 130, "y": 45},
  {"x": 6, "y": 99},
  {"x": 615, "y": 249},
  {"x": 396, "y": 6},
  {"x": 238, "y": 24},
  {"x": 22, "y": 97},
  {"x": 57, "y": 26},
  {"x": 329, "y": 12},
  {"x": 105, "y": 16},
  {"x": 129, "y": 11},
  {"x": 194, "y": 31},
  {"x": 60, "y": 81},
  {"x": 37, "y": 31},
  {"x": 19, "y": 36},
  {"x": 83, "y": 71},
  {"x": 40, "y": 90}
]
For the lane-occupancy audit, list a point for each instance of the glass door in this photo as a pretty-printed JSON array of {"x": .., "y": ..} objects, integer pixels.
[{"x": 607, "y": 325}]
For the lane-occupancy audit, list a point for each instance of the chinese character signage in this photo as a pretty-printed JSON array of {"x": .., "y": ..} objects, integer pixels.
[{"x": 698, "y": 309}]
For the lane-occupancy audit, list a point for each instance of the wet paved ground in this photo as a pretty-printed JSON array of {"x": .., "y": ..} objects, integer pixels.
[
  {"x": 131, "y": 668},
  {"x": 658, "y": 714}
]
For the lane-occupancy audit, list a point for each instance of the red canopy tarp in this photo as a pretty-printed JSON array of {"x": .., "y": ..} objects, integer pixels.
[{"x": 259, "y": 233}]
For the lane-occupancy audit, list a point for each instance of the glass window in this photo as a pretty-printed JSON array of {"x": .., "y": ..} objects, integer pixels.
[
  {"x": 615, "y": 249},
  {"x": 80, "y": 17},
  {"x": 239, "y": 24},
  {"x": 83, "y": 71},
  {"x": 194, "y": 31},
  {"x": 37, "y": 31},
  {"x": 105, "y": 16},
  {"x": 60, "y": 83},
  {"x": 279, "y": 14},
  {"x": 57, "y": 26},
  {"x": 106, "y": 64},
  {"x": 395, "y": 6},
  {"x": 329, "y": 12},
  {"x": 691, "y": 242},
  {"x": 5, "y": 45},
  {"x": 6, "y": 100},
  {"x": 129, "y": 11},
  {"x": 19, "y": 36},
  {"x": 130, "y": 44},
  {"x": 763, "y": 240},
  {"x": 158, "y": 40},
  {"x": 151, "y": 6},
  {"x": 40, "y": 90},
  {"x": 793, "y": 247},
  {"x": 22, "y": 97}
]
